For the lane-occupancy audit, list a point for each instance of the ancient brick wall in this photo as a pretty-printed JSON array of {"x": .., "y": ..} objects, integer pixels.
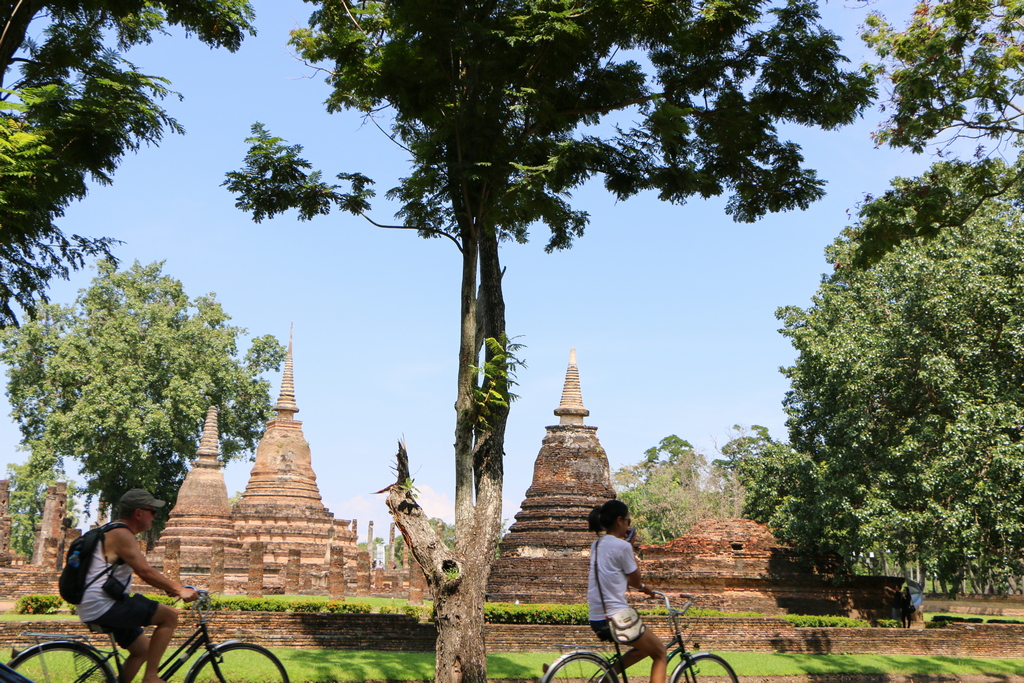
[
  {"x": 766, "y": 634},
  {"x": 16, "y": 582},
  {"x": 736, "y": 565},
  {"x": 391, "y": 632},
  {"x": 375, "y": 632}
]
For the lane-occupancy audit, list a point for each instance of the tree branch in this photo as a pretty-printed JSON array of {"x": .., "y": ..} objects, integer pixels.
[{"x": 411, "y": 227}]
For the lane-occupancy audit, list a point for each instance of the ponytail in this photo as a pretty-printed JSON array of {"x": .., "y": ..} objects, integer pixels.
[{"x": 602, "y": 517}]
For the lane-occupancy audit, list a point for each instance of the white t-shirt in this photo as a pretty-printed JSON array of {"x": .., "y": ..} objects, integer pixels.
[{"x": 614, "y": 561}]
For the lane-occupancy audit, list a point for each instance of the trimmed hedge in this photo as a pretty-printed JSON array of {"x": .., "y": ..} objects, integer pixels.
[
  {"x": 577, "y": 615},
  {"x": 39, "y": 604},
  {"x": 889, "y": 623},
  {"x": 564, "y": 615},
  {"x": 807, "y": 621},
  {"x": 311, "y": 605},
  {"x": 343, "y": 607},
  {"x": 698, "y": 612}
]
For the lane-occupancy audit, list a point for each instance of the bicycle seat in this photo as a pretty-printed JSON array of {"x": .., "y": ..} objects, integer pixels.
[{"x": 96, "y": 628}]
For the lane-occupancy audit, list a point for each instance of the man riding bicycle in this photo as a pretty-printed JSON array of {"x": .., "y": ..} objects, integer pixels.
[{"x": 108, "y": 602}]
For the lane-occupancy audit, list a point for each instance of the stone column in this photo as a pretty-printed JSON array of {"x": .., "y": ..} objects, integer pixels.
[
  {"x": 53, "y": 521},
  {"x": 172, "y": 559},
  {"x": 416, "y": 581},
  {"x": 292, "y": 580},
  {"x": 369, "y": 540},
  {"x": 217, "y": 566},
  {"x": 336, "y": 573},
  {"x": 363, "y": 573},
  {"x": 5, "y": 516},
  {"x": 49, "y": 553},
  {"x": 254, "y": 589},
  {"x": 391, "y": 547}
]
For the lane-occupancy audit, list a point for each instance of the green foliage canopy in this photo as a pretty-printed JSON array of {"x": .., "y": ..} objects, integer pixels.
[
  {"x": 955, "y": 74},
  {"x": 499, "y": 106},
  {"x": 673, "y": 487},
  {"x": 120, "y": 381},
  {"x": 907, "y": 402},
  {"x": 72, "y": 110}
]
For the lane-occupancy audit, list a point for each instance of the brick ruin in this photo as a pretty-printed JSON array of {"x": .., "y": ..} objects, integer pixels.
[
  {"x": 737, "y": 565},
  {"x": 280, "y": 523},
  {"x": 201, "y": 518},
  {"x": 544, "y": 556},
  {"x": 732, "y": 564},
  {"x": 280, "y": 538}
]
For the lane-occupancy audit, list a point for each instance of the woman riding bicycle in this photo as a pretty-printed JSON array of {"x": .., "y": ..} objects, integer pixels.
[{"x": 613, "y": 569}]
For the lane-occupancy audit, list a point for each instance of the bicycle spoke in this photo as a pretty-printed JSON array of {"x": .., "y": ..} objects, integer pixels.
[{"x": 704, "y": 668}]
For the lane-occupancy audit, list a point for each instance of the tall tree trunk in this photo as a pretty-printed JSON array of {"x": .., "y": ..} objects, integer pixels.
[
  {"x": 13, "y": 29},
  {"x": 458, "y": 579}
]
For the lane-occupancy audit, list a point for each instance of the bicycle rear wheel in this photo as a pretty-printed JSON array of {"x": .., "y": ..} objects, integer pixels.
[
  {"x": 63, "y": 661},
  {"x": 580, "y": 667},
  {"x": 703, "y": 667},
  {"x": 238, "y": 663}
]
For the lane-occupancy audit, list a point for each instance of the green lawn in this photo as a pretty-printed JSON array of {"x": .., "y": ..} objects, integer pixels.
[
  {"x": 316, "y": 666},
  {"x": 11, "y": 616}
]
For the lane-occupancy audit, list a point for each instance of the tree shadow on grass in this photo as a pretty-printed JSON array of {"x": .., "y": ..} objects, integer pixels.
[{"x": 906, "y": 664}]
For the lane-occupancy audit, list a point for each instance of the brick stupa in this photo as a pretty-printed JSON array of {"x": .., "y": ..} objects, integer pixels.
[
  {"x": 281, "y": 505},
  {"x": 544, "y": 557},
  {"x": 202, "y": 513}
]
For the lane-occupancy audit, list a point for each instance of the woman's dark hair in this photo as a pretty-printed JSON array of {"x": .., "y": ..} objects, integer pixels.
[{"x": 603, "y": 516}]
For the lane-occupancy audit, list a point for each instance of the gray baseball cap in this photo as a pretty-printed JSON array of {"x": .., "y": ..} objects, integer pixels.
[{"x": 136, "y": 499}]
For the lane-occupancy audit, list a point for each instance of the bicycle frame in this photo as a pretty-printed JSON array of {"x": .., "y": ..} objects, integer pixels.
[
  {"x": 200, "y": 639},
  {"x": 675, "y": 647}
]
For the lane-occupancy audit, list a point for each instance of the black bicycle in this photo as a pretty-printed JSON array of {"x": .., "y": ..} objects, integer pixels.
[
  {"x": 587, "y": 666},
  {"x": 57, "y": 658}
]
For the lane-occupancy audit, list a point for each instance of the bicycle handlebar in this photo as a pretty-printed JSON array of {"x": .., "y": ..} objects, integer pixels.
[
  {"x": 671, "y": 610},
  {"x": 203, "y": 601}
]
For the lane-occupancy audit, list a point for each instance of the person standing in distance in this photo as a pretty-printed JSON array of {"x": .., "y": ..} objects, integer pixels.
[
  {"x": 617, "y": 570},
  {"x": 108, "y": 602}
]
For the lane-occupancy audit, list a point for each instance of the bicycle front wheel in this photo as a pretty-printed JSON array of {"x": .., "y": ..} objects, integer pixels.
[
  {"x": 63, "y": 661},
  {"x": 238, "y": 663},
  {"x": 703, "y": 667},
  {"x": 580, "y": 667}
]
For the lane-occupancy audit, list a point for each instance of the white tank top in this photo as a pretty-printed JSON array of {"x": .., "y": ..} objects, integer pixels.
[{"x": 95, "y": 601}]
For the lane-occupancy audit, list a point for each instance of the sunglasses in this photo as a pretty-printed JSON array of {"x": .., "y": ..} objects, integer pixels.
[{"x": 153, "y": 510}]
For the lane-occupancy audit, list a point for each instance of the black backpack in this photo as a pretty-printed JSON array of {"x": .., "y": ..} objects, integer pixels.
[{"x": 72, "y": 583}]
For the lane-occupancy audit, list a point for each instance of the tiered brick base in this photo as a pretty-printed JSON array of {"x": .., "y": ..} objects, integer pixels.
[{"x": 544, "y": 556}]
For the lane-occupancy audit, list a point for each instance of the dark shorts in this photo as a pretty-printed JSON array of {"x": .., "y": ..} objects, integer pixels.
[
  {"x": 126, "y": 618},
  {"x": 602, "y": 629}
]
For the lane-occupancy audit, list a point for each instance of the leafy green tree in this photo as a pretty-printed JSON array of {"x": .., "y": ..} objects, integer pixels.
[
  {"x": 771, "y": 473},
  {"x": 955, "y": 74},
  {"x": 120, "y": 382},
  {"x": 71, "y": 111},
  {"x": 907, "y": 403},
  {"x": 447, "y": 537},
  {"x": 504, "y": 109},
  {"x": 675, "y": 486}
]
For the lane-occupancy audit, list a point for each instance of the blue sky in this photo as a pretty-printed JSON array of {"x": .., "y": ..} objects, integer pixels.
[{"x": 671, "y": 308}]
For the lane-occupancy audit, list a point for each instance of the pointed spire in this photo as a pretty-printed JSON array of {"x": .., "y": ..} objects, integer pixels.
[
  {"x": 571, "y": 410},
  {"x": 286, "y": 406},
  {"x": 209, "y": 445}
]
